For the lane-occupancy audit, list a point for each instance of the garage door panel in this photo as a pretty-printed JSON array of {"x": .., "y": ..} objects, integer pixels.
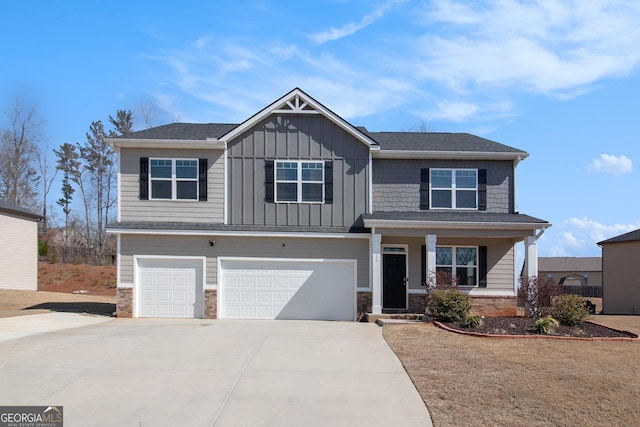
[
  {"x": 168, "y": 287},
  {"x": 291, "y": 289}
]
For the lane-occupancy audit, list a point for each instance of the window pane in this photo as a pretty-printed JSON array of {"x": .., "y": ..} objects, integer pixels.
[
  {"x": 287, "y": 192},
  {"x": 186, "y": 169},
  {"x": 466, "y": 199},
  {"x": 466, "y": 256},
  {"x": 160, "y": 168},
  {"x": 444, "y": 256},
  {"x": 312, "y": 171},
  {"x": 311, "y": 192},
  {"x": 466, "y": 179},
  {"x": 160, "y": 189},
  {"x": 287, "y": 171},
  {"x": 187, "y": 190},
  {"x": 466, "y": 276},
  {"x": 441, "y": 198},
  {"x": 441, "y": 179}
]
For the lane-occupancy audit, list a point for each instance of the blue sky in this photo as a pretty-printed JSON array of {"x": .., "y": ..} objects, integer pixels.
[{"x": 558, "y": 79}]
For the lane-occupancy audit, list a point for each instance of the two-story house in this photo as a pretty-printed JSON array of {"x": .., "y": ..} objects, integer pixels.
[{"x": 297, "y": 214}]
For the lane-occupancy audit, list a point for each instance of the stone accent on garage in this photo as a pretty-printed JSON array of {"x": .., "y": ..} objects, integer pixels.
[
  {"x": 365, "y": 302},
  {"x": 124, "y": 302},
  {"x": 493, "y": 306},
  {"x": 210, "y": 304}
]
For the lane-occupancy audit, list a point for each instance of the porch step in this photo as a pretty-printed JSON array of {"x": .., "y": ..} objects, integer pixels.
[{"x": 396, "y": 317}]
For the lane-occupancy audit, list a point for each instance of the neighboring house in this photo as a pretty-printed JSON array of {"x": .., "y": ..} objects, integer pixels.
[
  {"x": 18, "y": 248},
  {"x": 297, "y": 214},
  {"x": 621, "y": 274},
  {"x": 573, "y": 272}
]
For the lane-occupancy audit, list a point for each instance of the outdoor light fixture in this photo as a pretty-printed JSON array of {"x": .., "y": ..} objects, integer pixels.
[{"x": 212, "y": 242}]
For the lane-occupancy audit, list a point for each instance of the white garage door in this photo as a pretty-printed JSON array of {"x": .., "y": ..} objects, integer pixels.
[
  {"x": 169, "y": 288},
  {"x": 287, "y": 289}
]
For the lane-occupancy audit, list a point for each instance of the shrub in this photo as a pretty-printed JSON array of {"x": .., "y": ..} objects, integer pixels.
[
  {"x": 472, "y": 322},
  {"x": 569, "y": 310},
  {"x": 535, "y": 294},
  {"x": 449, "y": 305},
  {"x": 545, "y": 325}
]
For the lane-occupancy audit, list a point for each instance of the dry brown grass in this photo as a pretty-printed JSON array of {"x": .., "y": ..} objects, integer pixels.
[{"x": 474, "y": 381}]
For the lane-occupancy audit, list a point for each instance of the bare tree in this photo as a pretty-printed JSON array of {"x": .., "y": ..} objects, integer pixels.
[
  {"x": 148, "y": 113},
  {"x": 422, "y": 127},
  {"x": 18, "y": 155},
  {"x": 48, "y": 176},
  {"x": 67, "y": 163}
]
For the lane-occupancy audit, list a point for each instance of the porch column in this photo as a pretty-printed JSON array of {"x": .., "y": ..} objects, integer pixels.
[
  {"x": 376, "y": 273},
  {"x": 430, "y": 242},
  {"x": 531, "y": 256}
]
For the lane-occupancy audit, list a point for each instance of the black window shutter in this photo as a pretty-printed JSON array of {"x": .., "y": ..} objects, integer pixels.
[
  {"x": 482, "y": 189},
  {"x": 144, "y": 178},
  {"x": 482, "y": 266},
  {"x": 328, "y": 182},
  {"x": 202, "y": 179},
  {"x": 268, "y": 181},
  {"x": 424, "y": 265},
  {"x": 424, "y": 189}
]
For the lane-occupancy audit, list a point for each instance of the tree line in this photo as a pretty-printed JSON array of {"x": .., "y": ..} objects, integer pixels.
[{"x": 89, "y": 175}]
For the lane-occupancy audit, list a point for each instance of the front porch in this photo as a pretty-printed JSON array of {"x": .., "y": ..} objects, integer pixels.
[{"x": 406, "y": 256}]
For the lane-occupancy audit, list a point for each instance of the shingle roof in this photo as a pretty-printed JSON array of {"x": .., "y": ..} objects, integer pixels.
[
  {"x": 436, "y": 141},
  {"x": 212, "y": 227},
  {"x": 407, "y": 141},
  {"x": 16, "y": 210},
  {"x": 570, "y": 264},
  {"x": 191, "y": 131},
  {"x": 631, "y": 236},
  {"x": 446, "y": 216}
]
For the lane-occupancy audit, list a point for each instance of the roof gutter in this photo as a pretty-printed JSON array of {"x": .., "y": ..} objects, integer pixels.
[
  {"x": 441, "y": 225},
  {"x": 166, "y": 143},
  {"x": 444, "y": 155}
]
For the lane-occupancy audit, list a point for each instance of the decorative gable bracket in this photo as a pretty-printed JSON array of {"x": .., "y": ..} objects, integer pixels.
[{"x": 296, "y": 105}]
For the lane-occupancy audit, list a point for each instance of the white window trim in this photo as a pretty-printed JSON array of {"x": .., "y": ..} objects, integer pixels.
[
  {"x": 174, "y": 180},
  {"x": 454, "y": 266},
  {"x": 452, "y": 188},
  {"x": 298, "y": 182}
]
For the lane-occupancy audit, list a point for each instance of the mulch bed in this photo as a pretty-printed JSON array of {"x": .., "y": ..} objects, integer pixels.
[{"x": 524, "y": 326}]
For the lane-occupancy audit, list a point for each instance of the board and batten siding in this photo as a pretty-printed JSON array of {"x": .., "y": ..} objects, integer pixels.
[
  {"x": 18, "y": 253},
  {"x": 297, "y": 137},
  {"x": 134, "y": 209},
  {"x": 396, "y": 183},
  {"x": 254, "y": 247}
]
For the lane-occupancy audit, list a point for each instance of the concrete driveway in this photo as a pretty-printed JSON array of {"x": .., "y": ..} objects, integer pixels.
[{"x": 148, "y": 372}]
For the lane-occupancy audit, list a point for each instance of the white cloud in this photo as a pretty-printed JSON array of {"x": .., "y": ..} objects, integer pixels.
[
  {"x": 346, "y": 30},
  {"x": 609, "y": 163},
  {"x": 551, "y": 47}
]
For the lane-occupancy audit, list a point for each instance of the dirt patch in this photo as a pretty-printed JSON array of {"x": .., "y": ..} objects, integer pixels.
[
  {"x": 471, "y": 381},
  {"x": 69, "y": 278},
  {"x": 524, "y": 326}
]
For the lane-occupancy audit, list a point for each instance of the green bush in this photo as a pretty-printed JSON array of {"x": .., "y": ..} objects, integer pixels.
[
  {"x": 569, "y": 310},
  {"x": 449, "y": 305},
  {"x": 545, "y": 325},
  {"x": 472, "y": 322}
]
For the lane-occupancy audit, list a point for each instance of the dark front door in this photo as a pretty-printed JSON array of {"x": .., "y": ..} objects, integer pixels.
[{"x": 394, "y": 284}]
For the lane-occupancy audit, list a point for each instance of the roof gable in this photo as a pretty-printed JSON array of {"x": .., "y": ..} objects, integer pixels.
[
  {"x": 631, "y": 236},
  {"x": 298, "y": 102}
]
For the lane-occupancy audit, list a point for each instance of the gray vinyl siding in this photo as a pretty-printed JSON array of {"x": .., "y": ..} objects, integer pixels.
[
  {"x": 263, "y": 247},
  {"x": 500, "y": 258},
  {"x": 134, "y": 209},
  {"x": 297, "y": 137},
  {"x": 396, "y": 183}
]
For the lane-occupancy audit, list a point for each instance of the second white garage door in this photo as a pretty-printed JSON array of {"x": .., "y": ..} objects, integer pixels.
[{"x": 287, "y": 289}]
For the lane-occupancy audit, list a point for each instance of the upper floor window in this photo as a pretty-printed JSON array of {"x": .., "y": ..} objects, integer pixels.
[
  {"x": 299, "y": 182},
  {"x": 454, "y": 188},
  {"x": 173, "y": 179}
]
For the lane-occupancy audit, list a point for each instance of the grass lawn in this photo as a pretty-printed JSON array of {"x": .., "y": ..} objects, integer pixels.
[{"x": 470, "y": 381}]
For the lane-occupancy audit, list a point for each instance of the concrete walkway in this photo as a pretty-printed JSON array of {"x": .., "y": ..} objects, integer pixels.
[{"x": 147, "y": 372}]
